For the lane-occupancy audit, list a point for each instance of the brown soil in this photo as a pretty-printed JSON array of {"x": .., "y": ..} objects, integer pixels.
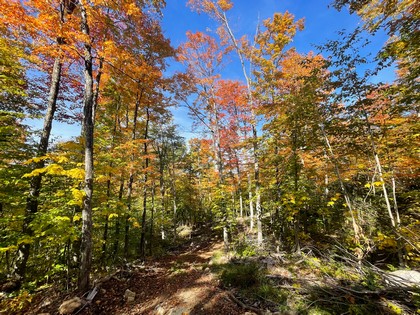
[{"x": 180, "y": 283}]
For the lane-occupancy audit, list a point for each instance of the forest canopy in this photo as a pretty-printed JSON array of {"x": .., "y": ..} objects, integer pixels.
[{"x": 302, "y": 148}]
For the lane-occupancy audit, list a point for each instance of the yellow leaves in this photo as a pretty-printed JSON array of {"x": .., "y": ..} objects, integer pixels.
[
  {"x": 385, "y": 241},
  {"x": 376, "y": 184},
  {"x": 52, "y": 169},
  {"x": 62, "y": 218},
  {"x": 333, "y": 200},
  {"x": 34, "y": 173},
  {"x": 112, "y": 215},
  {"x": 225, "y": 5},
  {"x": 37, "y": 159},
  {"x": 78, "y": 196},
  {"x": 9, "y": 248},
  {"x": 133, "y": 9},
  {"x": 76, "y": 218},
  {"x": 60, "y": 159},
  {"x": 76, "y": 173}
]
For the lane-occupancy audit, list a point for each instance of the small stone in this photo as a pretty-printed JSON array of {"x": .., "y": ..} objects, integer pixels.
[
  {"x": 46, "y": 303},
  {"x": 69, "y": 306},
  {"x": 159, "y": 310},
  {"x": 44, "y": 314},
  {"x": 129, "y": 296}
]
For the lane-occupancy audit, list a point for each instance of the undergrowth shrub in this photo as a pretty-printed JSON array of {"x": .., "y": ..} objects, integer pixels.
[
  {"x": 241, "y": 275},
  {"x": 271, "y": 293},
  {"x": 244, "y": 249}
]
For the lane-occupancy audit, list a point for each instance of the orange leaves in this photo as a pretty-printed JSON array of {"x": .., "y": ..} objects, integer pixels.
[
  {"x": 202, "y": 54},
  {"x": 279, "y": 32},
  {"x": 225, "y": 5},
  {"x": 133, "y": 9}
]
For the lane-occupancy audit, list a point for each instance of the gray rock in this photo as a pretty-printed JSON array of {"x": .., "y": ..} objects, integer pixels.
[
  {"x": 69, "y": 306},
  {"x": 407, "y": 278},
  {"x": 129, "y": 296}
]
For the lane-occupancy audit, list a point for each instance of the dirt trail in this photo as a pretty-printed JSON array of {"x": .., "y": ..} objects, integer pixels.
[{"x": 177, "y": 284}]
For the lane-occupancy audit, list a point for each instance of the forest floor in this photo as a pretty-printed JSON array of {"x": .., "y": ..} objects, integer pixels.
[
  {"x": 176, "y": 284},
  {"x": 199, "y": 277},
  {"x": 180, "y": 283}
]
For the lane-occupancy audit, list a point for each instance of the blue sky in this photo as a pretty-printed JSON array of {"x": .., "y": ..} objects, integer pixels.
[{"x": 321, "y": 24}]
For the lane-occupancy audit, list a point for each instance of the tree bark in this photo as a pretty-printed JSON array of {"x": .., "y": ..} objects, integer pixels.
[
  {"x": 88, "y": 104},
  {"x": 131, "y": 177},
  {"x": 106, "y": 225},
  {"x": 152, "y": 218},
  {"x": 118, "y": 225},
  {"x": 146, "y": 166},
  {"x": 35, "y": 183}
]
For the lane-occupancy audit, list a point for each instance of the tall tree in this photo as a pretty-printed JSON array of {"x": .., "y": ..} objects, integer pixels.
[{"x": 54, "y": 33}]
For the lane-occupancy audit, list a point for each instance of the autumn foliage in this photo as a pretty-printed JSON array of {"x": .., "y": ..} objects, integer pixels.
[{"x": 302, "y": 149}]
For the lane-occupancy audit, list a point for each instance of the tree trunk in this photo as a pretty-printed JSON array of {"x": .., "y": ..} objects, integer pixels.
[
  {"x": 239, "y": 52},
  {"x": 96, "y": 91},
  {"x": 251, "y": 204},
  {"x": 378, "y": 166},
  {"x": 146, "y": 166},
  {"x": 106, "y": 225},
  {"x": 162, "y": 194},
  {"x": 86, "y": 245},
  {"x": 356, "y": 228},
  {"x": 118, "y": 225},
  {"x": 131, "y": 177},
  {"x": 35, "y": 183},
  {"x": 152, "y": 218}
]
